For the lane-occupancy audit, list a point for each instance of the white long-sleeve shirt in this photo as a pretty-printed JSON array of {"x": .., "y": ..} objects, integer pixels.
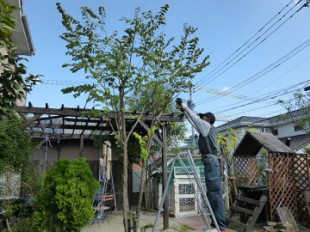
[{"x": 201, "y": 126}]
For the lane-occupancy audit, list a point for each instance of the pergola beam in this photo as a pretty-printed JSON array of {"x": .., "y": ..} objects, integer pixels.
[
  {"x": 73, "y": 124},
  {"x": 77, "y": 112}
]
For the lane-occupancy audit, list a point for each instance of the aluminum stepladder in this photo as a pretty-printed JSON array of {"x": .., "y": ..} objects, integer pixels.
[
  {"x": 105, "y": 172},
  {"x": 200, "y": 194},
  {"x": 107, "y": 186},
  {"x": 105, "y": 194}
]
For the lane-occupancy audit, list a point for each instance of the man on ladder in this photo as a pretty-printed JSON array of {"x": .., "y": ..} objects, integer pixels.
[{"x": 203, "y": 124}]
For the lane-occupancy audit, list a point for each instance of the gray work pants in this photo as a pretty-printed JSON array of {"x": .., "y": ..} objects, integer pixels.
[{"x": 214, "y": 189}]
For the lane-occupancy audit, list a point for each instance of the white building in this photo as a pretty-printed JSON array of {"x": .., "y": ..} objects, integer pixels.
[
  {"x": 281, "y": 126},
  {"x": 21, "y": 38}
]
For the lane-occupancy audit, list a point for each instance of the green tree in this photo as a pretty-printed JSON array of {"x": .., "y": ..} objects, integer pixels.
[
  {"x": 175, "y": 132},
  {"x": 12, "y": 85},
  {"x": 227, "y": 142},
  {"x": 298, "y": 110},
  {"x": 65, "y": 203},
  {"x": 140, "y": 61},
  {"x": 15, "y": 149},
  {"x": 15, "y": 145}
]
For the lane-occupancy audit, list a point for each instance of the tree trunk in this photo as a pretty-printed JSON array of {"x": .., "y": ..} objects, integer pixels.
[
  {"x": 139, "y": 203},
  {"x": 8, "y": 225},
  {"x": 142, "y": 185},
  {"x": 232, "y": 183},
  {"x": 125, "y": 189},
  {"x": 123, "y": 141}
]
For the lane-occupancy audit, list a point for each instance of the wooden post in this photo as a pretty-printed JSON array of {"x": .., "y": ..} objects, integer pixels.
[
  {"x": 81, "y": 145},
  {"x": 165, "y": 178},
  {"x": 58, "y": 149}
]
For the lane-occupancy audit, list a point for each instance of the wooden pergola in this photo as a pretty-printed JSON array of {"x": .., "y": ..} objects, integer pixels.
[{"x": 77, "y": 123}]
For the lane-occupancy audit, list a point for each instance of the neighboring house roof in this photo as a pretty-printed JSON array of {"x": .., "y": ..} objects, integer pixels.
[
  {"x": 244, "y": 121},
  {"x": 252, "y": 142},
  {"x": 286, "y": 117},
  {"x": 297, "y": 142},
  {"x": 262, "y": 122}
]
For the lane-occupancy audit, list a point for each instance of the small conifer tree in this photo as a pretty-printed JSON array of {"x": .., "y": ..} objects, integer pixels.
[{"x": 65, "y": 203}]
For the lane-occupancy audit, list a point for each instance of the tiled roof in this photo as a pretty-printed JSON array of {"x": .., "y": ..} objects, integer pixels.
[
  {"x": 243, "y": 121},
  {"x": 259, "y": 121},
  {"x": 298, "y": 142}
]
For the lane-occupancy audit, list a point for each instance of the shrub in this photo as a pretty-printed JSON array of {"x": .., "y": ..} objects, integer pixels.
[{"x": 65, "y": 203}]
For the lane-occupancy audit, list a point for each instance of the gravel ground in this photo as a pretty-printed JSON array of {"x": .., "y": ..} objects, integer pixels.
[{"x": 114, "y": 222}]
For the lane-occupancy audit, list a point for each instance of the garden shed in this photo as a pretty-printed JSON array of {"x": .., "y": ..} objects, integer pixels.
[{"x": 283, "y": 173}]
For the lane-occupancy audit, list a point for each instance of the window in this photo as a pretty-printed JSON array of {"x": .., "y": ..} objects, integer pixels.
[
  {"x": 186, "y": 189},
  {"x": 274, "y": 132},
  {"x": 186, "y": 204}
]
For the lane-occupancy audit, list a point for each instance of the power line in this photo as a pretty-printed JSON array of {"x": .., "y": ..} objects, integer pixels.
[
  {"x": 64, "y": 82},
  {"x": 283, "y": 74},
  {"x": 261, "y": 117},
  {"x": 225, "y": 118},
  {"x": 261, "y": 100},
  {"x": 263, "y": 72},
  {"x": 218, "y": 66},
  {"x": 222, "y": 66},
  {"x": 244, "y": 98},
  {"x": 256, "y": 108},
  {"x": 244, "y": 44},
  {"x": 268, "y": 96}
]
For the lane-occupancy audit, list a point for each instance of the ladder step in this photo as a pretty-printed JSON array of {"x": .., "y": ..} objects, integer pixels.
[
  {"x": 101, "y": 208},
  {"x": 242, "y": 210},
  {"x": 109, "y": 197},
  {"x": 248, "y": 200},
  {"x": 240, "y": 224}
]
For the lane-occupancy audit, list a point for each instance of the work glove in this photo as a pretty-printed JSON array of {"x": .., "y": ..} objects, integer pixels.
[{"x": 179, "y": 101}]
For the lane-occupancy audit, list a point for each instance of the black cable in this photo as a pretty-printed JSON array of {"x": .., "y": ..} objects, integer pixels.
[
  {"x": 249, "y": 40},
  {"x": 247, "y": 98},
  {"x": 260, "y": 117},
  {"x": 263, "y": 72},
  {"x": 257, "y": 108},
  {"x": 265, "y": 97},
  {"x": 236, "y": 56},
  {"x": 252, "y": 48}
]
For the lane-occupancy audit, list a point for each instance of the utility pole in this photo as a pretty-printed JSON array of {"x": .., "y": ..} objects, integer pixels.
[{"x": 191, "y": 106}]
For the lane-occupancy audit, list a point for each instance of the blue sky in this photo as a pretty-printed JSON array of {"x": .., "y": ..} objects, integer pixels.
[{"x": 223, "y": 27}]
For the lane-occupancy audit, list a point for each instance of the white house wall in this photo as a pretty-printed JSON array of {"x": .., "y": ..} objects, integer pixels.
[{"x": 287, "y": 130}]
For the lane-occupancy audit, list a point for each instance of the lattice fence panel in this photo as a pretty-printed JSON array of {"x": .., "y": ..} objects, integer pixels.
[
  {"x": 281, "y": 183},
  {"x": 246, "y": 170},
  {"x": 301, "y": 170}
]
